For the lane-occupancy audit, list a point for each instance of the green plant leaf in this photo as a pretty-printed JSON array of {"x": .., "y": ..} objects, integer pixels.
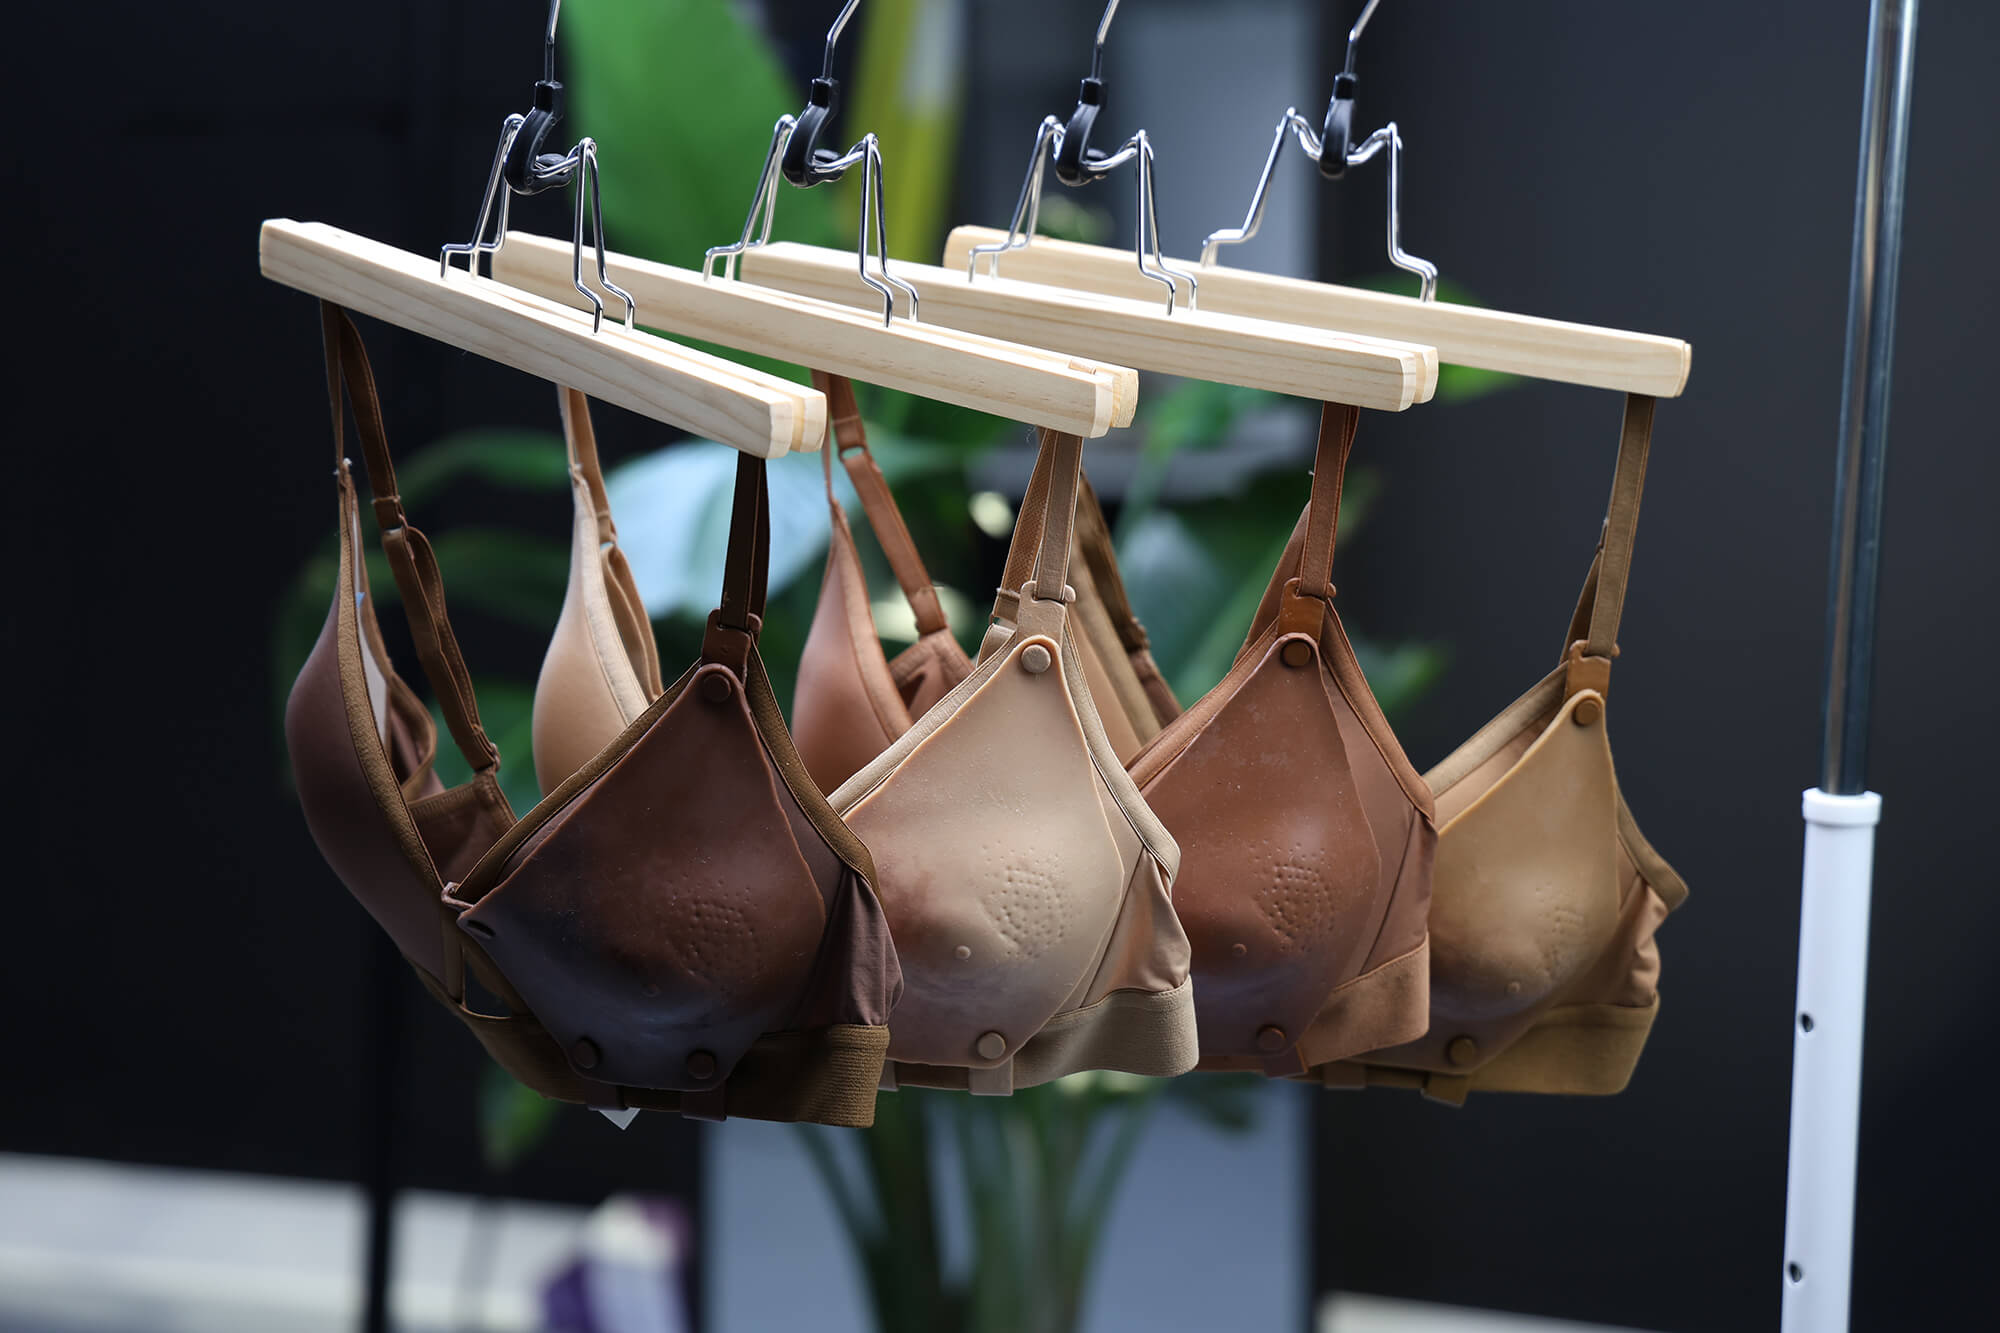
[
  {"x": 524, "y": 460},
  {"x": 908, "y": 89},
  {"x": 512, "y": 576},
  {"x": 681, "y": 96},
  {"x": 673, "y": 509},
  {"x": 513, "y": 1119}
]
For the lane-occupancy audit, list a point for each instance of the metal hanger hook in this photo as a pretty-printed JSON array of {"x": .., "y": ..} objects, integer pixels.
[
  {"x": 549, "y": 43},
  {"x": 840, "y": 26},
  {"x": 1103, "y": 29},
  {"x": 1354, "y": 34}
]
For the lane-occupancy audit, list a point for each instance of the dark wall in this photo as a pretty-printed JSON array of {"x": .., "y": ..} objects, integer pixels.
[
  {"x": 1689, "y": 169},
  {"x": 186, "y": 981}
]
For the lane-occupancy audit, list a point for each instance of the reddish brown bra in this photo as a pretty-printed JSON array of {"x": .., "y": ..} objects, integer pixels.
[{"x": 683, "y": 924}]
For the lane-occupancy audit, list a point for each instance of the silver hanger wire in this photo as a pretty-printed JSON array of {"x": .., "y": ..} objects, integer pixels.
[
  {"x": 1049, "y": 140},
  {"x": 817, "y": 166},
  {"x": 544, "y": 171},
  {"x": 1294, "y": 124}
]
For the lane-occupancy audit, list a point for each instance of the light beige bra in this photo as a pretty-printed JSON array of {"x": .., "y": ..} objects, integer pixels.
[
  {"x": 1025, "y": 880},
  {"x": 603, "y": 667}
]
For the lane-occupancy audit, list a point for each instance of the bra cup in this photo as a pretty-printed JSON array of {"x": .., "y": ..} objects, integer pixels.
[
  {"x": 926, "y": 672},
  {"x": 589, "y": 690},
  {"x": 1526, "y": 891},
  {"x": 651, "y": 964},
  {"x": 846, "y": 708},
  {"x": 358, "y": 819},
  {"x": 1001, "y": 880},
  {"x": 1280, "y": 888}
]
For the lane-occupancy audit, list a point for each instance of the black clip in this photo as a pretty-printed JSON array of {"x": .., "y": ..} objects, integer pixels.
[
  {"x": 1336, "y": 137},
  {"x": 1076, "y": 161},
  {"x": 805, "y": 163},
  {"x": 528, "y": 169}
]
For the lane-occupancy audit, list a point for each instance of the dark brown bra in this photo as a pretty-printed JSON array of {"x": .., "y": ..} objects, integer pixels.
[
  {"x": 1306, "y": 836},
  {"x": 683, "y": 924}
]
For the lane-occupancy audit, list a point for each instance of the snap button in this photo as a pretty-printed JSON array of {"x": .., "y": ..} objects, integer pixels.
[
  {"x": 1462, "y": 1051},
  {"x": 962, "y": 952},
  {"x": 1298, "y": 653},
  {"x": 1270, "y": 1039},
  {"x": 991, "y": 1046},
  {"x": 715, "y": 688},
  {"x": 584, "y": 1053},
  {"x": 1587, "y": 712},
  {"x": 701, "y": 1066},
  {"x": 1035, "y": 659}
]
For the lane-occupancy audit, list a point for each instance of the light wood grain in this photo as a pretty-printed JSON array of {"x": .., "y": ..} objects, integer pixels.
[
  {"x": 1225, "y": 349},
  {"x": 1028, "y": 384},
  {"x": 1546, "y": 349},
  {"x": 757, "y": 413}
]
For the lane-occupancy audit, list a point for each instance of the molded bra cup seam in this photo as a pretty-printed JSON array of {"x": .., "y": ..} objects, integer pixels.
[{"x": 1125, "y": 794}]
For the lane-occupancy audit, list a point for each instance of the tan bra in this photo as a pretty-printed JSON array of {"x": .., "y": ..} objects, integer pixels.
[
  {"x": 852, "y": 702},
  {"x": 1025, "y": 879},
  {"x": 1545, "y": 899},
  {"x": 1307, "y": 836},
  {"x": 681, "y": 924}
]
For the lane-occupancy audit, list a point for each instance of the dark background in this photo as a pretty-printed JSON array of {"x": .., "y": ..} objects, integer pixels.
[{"x": 187, "y": 985}]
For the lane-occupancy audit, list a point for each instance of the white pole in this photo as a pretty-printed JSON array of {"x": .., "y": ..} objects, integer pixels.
[{"x": 1826, "y": 1059}]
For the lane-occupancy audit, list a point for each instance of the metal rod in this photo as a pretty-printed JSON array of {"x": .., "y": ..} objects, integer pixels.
[{"x": 1864, "y": 404}]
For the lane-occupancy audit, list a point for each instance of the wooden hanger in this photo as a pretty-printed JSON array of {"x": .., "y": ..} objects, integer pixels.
[
  {"x": 1202, "y": 344},
  {"x": 1463, "y": 335},
  {"x": 755, "y": 412},
  {"x": 1023, "y": 383}
]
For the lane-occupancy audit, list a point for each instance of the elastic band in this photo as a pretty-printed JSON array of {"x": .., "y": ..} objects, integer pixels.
[{"x": 409, "y": 552}]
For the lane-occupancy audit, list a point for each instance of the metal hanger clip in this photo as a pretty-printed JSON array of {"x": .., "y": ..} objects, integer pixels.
[
  {"x": 1334, "y": 149},
  {"x": 1067, "y": 146},
  {"x": 522, "y": 167},
  {"x": 796, "y": 156}
]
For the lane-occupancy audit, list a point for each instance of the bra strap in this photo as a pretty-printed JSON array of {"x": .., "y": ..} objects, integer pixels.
[
  {"x": 1593, "y": 630},
  {"x": 628, "y": 608},
  {"x": 1046, "y": 527},
  {"x": 580, "y": 439},
  {"x": 851, "y": 443},
  {"x": 735, "y": 623},
  {"x": 1337, "y": 424},
  {"x": 409, "y": 552},
  {"x": 1100, "y": 555}
]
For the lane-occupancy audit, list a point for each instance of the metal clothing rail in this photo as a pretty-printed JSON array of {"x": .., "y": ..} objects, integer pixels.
[{"x": 1841, "y": 813}]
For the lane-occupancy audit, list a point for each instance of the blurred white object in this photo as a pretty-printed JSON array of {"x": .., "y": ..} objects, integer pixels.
[
  {"x": 95, "y": 1247},
  {"x": 1346, "y": 1312},
  {"x": 629, "y": 1274}
]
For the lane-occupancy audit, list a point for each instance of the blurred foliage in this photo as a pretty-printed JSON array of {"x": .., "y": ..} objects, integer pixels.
[{"x": 681, "y": 96}]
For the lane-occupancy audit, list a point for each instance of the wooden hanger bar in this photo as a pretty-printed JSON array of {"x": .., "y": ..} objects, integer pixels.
[
  {"x": 1025, "y": 384},
  {"x": 1546, "y": 349},
  {"x": 1226, "y": 349},
  {"x": 757, "y": 413}
]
